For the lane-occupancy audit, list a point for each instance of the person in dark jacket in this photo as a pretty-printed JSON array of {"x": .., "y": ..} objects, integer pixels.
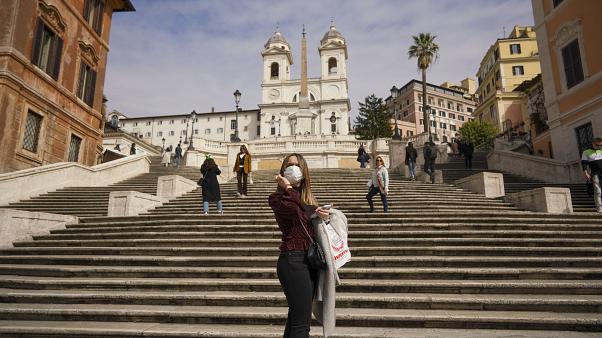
[
  {"x": 411, "y": 156},
  {"x": 133, "y": 149},
  {"x": 178, "y": 156},
  {"x": 294, "y": 204},
  {"x": 362, "y": 156},
  {"x": 210, "y": 185},
  {"x": 468, "y": 150}
]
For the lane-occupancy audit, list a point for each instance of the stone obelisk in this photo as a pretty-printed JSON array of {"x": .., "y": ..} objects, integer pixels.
[{"x": 304, "y": 115}]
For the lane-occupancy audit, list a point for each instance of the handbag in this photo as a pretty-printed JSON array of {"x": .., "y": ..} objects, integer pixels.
[
  {"x": 200, "y": 181},
  {"x": 315, "y": 255}
]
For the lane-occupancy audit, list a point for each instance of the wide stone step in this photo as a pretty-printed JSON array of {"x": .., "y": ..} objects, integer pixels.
[
  {"x": 352, "y": 234},
  {"x": 485, "y": 302},
  {"x": 160, "y": 226},
  {"x": 270, "y": 261},
  {"x": 489, "y": 286},
  {"x": 92, "y": 329},
  {"x": 265, "y": 272},
  {"x": 451, "y": 251},
  {"x": 277, "y": 316},
  {"x": 376, "y": 242}
]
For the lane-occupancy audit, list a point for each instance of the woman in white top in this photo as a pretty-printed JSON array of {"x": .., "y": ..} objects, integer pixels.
[
  {"x": 379, "y": 184},
  {"x": 166, "y": 156}
]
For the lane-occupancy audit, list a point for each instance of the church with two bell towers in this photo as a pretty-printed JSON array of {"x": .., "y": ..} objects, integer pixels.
[{"x": 305, "y": 106}]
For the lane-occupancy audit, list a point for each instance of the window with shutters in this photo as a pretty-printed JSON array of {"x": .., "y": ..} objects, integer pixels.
[
  {"x": 87, "y": 84},
  {"x": 571, "y": 58},
  {"x": 74, "y": 146},
  {"x": 93, "y": 12},
  {"x": 47, "y": 49},
  {"x": 32, "y": 131},
  {"x": 585, "y": 136}
]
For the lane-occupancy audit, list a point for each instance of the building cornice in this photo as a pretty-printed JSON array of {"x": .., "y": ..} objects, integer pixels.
[{"x": 187, "y": 115}]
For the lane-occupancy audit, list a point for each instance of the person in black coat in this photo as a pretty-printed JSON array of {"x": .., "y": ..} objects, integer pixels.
[
  {"x": 468, "y": 150},
  {"x": 210, "y": 185}
]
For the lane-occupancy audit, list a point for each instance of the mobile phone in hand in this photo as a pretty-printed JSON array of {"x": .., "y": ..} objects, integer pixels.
[{"x": 327, "y": 206}]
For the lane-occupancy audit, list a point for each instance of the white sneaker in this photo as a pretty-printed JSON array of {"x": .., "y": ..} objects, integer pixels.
[
  {"x": 205, "y": 213},
  {"x": 243, "y": 196},
  {"x": 238, "y": 194}
]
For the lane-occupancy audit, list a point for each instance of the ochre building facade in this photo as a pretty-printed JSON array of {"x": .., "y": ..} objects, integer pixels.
[{"x": 53, "y": 56}]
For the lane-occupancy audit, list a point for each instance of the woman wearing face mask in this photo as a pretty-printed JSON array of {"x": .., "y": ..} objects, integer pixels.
[
  {"x": 379, "y": 184},
  {"x": 293, "y": 204}
]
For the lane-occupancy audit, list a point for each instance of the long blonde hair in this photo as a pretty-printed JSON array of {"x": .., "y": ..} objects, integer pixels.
[{"x": 307, "y": 196}]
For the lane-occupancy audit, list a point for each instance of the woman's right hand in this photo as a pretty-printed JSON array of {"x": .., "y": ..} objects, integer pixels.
[{"x": 282, "y": 182}]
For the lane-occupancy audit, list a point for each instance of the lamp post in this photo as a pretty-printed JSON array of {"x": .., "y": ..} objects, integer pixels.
[
  {"x": 434, "y": 113},
  {"x": 192, "y": 117},
  {"x": 237, "y": 100},
  {"x": 186, "y": 133},
  {"x": 394, "y": 94}
]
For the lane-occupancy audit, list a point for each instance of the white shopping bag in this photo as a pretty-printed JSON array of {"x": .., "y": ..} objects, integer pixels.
[{"x": 338, "y": 247}]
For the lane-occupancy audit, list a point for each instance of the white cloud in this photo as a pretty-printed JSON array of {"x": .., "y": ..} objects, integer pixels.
[{"x": 170, "y": 57}]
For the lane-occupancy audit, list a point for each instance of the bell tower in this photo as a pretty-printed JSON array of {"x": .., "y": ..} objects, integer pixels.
[{"x": 277, "y": 59}]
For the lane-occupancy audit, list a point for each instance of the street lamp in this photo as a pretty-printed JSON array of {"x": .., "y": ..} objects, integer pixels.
[
  {"x": 434, "y": 113},
  {"x": 237, "y": 100},
  {"x": 394, "y": 94},
  {"x": 192, "y": 117},
  {"x": 186, "y": 133}
]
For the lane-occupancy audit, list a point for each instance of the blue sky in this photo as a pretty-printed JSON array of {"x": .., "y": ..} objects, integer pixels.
[{"x": 173, "y": 56}]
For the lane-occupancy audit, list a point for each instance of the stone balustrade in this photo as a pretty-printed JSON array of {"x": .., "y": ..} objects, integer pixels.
[
  {"x": 24, "y": 184},
  {"x": 536, "y": 167}
]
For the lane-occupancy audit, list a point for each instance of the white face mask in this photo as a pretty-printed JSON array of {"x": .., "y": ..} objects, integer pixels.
[{"x": 293, "y": 174}]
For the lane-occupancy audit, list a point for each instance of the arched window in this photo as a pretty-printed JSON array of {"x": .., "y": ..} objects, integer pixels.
[
  {"x": 332, "y": 66},
  {"x": 311, "y": 97},
  {"x": 274, "y": 71}
]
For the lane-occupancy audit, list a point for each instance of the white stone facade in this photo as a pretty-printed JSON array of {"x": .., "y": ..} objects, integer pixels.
[
  {"x": 215, "y": 126},
  {"x": 328, "y": 95}
]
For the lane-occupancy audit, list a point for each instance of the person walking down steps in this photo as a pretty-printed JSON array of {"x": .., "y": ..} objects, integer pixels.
[
  {"x": 591, "y": 161},
  {"x": 242, "y": 168},
  {"x": 210, "y": 186},
  {"x": 410, "y": 161},
  {"x": 379, "y": 184}
]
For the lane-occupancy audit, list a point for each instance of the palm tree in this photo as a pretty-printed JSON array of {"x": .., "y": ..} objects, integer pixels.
[{"x": 426, "y": 51}]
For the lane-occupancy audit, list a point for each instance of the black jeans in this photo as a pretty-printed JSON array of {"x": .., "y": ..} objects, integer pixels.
[
  {"x": 298, "y": 282},
  {"x": 468, "y": 161},
  {"x": 241, "y": 177},
  {"x": 383, "y": 198}
]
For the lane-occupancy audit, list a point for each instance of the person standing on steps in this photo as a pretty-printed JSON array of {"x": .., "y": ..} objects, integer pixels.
[
  {"x": 242, "y": 168},
  {"x": 210, "y": 185},
  {"x": 178, "y": 156},
  {"x": 362, "y": 157},
  {"x": 379, "y": 184},
  {"x": 591, "y": 161},
  {"x": 133, "y": 149},
  {"x": 468, "y": 152},
  {"x": 166, "y": 156},
  {"x": 294, "y": 204},
  {"x": 430, "y": 153},
  {"x": 410, "y": 161}
]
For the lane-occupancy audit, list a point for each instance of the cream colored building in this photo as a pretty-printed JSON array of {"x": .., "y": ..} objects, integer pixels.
[
  {"x": 568, "y": 35},
  {"x": 214, "y": 126},
  {"x": 329, "y": 103},
  {"x": 507, "y": 63},
  {"x": 450, "y": 105}
]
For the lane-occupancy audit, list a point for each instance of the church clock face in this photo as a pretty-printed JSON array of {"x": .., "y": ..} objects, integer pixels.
[
  {"x": 333, "y": 119},
  {"x": 274, "y": 94}
]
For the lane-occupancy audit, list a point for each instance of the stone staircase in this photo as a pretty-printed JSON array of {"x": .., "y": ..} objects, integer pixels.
[
  {"x": 94, "y": 201},
  {"x": 454, "y": 170},
  {"x": 442, "y": 263}
]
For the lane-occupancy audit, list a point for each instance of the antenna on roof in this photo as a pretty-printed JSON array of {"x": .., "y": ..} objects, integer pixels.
[{"x": 504, "y": 28}]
